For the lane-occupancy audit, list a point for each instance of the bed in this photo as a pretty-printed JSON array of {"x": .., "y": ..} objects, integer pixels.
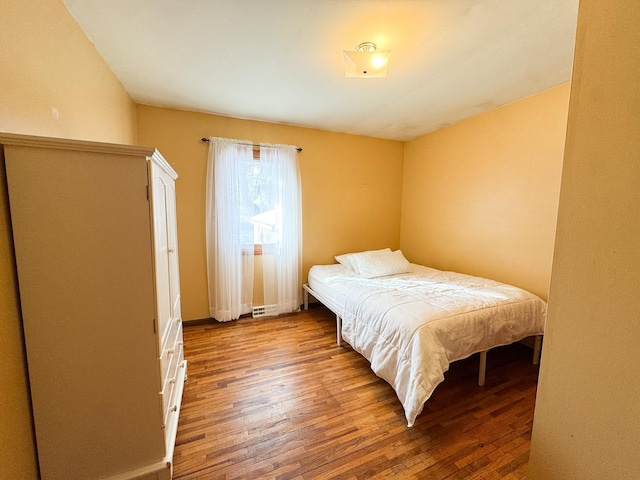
[{"x": 411, "y": 321}]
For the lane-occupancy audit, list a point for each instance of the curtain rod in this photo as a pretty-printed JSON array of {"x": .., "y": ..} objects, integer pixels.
[{"x": 254, "y": 145}]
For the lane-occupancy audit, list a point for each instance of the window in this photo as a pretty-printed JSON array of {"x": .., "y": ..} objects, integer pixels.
[{"x": 259, "y": 213}]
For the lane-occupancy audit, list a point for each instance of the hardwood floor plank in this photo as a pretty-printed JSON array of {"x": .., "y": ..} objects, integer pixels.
[{"x": 276, "y": 398}]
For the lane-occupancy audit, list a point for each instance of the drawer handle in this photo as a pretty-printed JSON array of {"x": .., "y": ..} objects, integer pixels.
[{"x": 171, "y": 249}]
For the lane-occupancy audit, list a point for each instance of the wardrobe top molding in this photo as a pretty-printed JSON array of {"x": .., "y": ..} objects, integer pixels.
[{"x": 17, "y": 139}]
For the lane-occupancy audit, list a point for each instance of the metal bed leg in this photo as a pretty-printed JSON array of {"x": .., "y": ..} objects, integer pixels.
[
  {"x": 307, "y": 291},
  {"x": 306, "y": 299},
  {"x": 483, "y": 367},
  {"x": 537, "y": 349}
]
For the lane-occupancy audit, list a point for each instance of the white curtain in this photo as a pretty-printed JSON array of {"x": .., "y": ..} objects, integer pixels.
[
  {"x": 252, "y": 202},
  {"x": 282, "y": 255},
  {"x": 230, "y": 276}
]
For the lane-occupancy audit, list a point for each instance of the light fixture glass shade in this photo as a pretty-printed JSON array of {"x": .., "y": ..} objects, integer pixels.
[{"x": 366, "y": 64}]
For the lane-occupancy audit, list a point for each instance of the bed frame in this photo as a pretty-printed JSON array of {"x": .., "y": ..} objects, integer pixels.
[{"x": 337, "y": 311}]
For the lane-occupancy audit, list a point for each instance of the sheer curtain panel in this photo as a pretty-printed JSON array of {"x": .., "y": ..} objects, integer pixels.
[
  {"x": 282, "y": 258},
  {"x": 230, "y": 274}
]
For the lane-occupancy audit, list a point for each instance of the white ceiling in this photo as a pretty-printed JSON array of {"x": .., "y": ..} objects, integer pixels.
[{"x": 281, "y": 60}]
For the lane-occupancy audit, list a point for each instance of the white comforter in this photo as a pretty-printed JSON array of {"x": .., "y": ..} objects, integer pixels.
[{"x": 412, "y": 326}]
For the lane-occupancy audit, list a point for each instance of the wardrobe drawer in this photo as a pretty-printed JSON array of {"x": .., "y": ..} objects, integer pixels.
[
  {"x": 172, "y": 413},
  {"x": 170, "y": 349},
  {"x": 170, "y": 334},
  {"x": 170, "y": 390},
  {"x": 166, "y": 399}
]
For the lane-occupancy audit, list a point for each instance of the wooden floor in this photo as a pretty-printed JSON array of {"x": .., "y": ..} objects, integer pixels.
[{"x": 276, "y": 398}]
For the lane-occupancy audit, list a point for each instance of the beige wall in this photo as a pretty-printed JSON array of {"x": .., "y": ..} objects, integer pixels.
[
  {"x": 17, "y": 455},
  {"x": 46, "y": 63},
  {"x": 587, "y": 419},
  {"x": 53, "y": 81},
  {"x": 351, "y": 188},
  {"x": 481, "y": 196}
]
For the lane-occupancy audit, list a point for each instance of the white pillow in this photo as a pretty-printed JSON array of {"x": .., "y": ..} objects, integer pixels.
[
  {"x": 348, "y": 259},
  {"x": 381, "y": 264}
]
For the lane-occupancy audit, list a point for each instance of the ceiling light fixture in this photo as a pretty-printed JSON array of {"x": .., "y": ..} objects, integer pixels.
[{"x": 366, "y": 61}]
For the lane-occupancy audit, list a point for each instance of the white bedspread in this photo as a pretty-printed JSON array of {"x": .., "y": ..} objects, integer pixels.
[{"x": 412, "y": 326}]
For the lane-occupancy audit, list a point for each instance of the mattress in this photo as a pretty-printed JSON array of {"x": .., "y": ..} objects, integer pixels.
[
  {"x": 320, "y": 281},
  {"x": 411, "y": 326}
]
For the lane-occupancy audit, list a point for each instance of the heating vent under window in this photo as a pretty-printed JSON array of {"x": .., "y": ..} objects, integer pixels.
[{"x": 264, "y": 311}]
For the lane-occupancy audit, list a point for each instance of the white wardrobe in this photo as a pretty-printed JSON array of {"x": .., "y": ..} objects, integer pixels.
[{"x": 94, "y": 230}]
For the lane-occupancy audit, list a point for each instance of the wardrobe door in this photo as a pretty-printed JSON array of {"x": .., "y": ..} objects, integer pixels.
[
  {"x": 174, "y": 269},
  {"x": 161, "y": 196}
]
